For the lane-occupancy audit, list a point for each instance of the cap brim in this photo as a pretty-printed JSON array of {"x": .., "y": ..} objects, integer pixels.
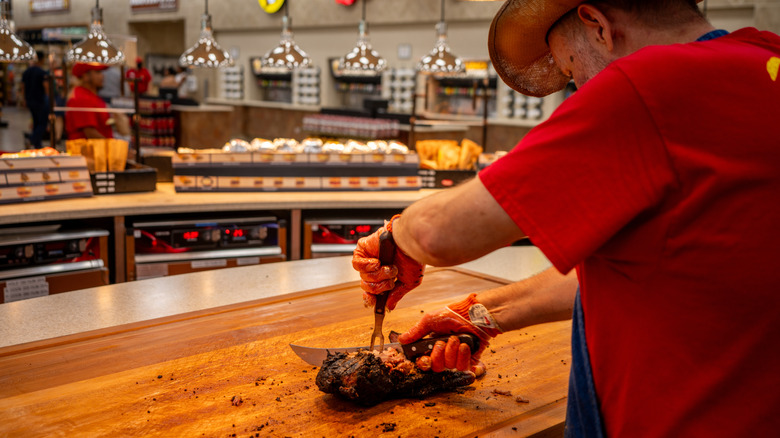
[{"x": 518, "y": 49}]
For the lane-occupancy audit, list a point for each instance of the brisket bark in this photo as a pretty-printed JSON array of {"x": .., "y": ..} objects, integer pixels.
[{"x": 366, "y": 379}]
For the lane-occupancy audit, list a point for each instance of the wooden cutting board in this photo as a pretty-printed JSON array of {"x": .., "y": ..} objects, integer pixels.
[{"x": 229, "y": 370}]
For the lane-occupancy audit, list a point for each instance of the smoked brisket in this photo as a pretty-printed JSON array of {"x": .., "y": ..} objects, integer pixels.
[{"x": 367, "y": 378}]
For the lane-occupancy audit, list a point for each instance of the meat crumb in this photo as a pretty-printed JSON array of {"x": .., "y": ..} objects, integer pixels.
[
  {"x": 430, "y": 405},
  {"x": 521, "y": 399},
  {"x": 388, "y": 427},
  {"x": 502, "y": 392},
  {"x": 236, "y": 400}
]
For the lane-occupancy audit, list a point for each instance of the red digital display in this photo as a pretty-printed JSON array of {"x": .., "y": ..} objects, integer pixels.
[
  {"x": 363, "y": 228},
  {"x": 238, "y": 233},
  {"x": 191, "y": 235}
]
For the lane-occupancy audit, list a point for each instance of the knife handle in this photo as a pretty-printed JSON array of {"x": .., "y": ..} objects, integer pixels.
[
  {"x": 425, "y": 346},
  {"x": 386, "y": 255}
]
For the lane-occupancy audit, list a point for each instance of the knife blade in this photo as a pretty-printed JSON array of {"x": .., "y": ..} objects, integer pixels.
[{"x": 315, "y": 356}]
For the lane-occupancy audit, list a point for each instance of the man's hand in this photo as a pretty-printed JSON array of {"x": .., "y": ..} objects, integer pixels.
[
  {"x": 456, "y": 319},
  {"x": 399, "y": 278}
]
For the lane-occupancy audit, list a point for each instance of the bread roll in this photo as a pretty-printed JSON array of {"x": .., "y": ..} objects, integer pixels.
[
  {"x": 448, "y": 156},
  {"x": 469, "y": 153}
]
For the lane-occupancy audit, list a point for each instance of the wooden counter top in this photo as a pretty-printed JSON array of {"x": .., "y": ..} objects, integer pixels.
[
  {"x": 228, "y": 371},
  {"x": 165, "y": 200}
]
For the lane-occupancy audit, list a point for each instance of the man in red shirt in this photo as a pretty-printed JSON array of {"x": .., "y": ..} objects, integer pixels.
[
  {"x": 141, "y": 74},
  {"x": 87, "y": 124},
  {"x": 645, "y": 188}
]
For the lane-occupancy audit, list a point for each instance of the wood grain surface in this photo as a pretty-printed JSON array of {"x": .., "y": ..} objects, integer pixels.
[{"x": 230, "y": 372}]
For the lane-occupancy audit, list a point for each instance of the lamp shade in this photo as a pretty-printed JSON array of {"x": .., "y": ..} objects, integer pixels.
[
  {"x": 12, "y": 48},
  {"x": 440, "y": 60},
  {"x": 96, "y": 48},
  {"x": 206, "y": 52},
  {"x": 362, "y": 60},
  {"x": 286, "y": 56}
]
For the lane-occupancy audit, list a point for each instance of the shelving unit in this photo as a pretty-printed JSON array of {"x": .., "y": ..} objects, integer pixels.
[
  {"x": 300, "y": 86},
  {"x": 306, "y": 86},
  {"x": 157, "y": 125},
  {"x": 398, "y": 88},
  {"x": 232, "y": 82},
  {"x": 526, "y": 110},
  {"x": 353, "y": 91}
]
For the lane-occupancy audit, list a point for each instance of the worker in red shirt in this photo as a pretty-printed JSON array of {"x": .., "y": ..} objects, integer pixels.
[
  {"x": 87, "y": 124},
  {"x": 140, "y": 73},
  {"x": 656, "y": 202}
]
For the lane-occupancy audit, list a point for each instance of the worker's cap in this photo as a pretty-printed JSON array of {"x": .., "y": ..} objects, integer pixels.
[
  {"x": 517, "y": 44},
  {"x": 139, "y": 60},
  {"x": 80, "y": 68}
]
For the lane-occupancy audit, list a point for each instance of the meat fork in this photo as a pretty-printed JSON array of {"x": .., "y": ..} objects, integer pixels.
[{"x": 386, "y": 254}]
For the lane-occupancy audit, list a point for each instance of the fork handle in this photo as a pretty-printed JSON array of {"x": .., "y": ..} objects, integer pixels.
[{"x": 386, "y": 255}]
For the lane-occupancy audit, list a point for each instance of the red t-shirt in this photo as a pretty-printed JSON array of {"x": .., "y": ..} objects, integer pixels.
[
  {"x": 659, "y": 180},
  {"x": 144, "y": 79},
  {"x": 75, "y": 121}
]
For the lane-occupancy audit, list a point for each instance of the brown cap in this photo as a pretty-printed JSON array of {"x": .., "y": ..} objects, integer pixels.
[{"x": 518, "y": 47}]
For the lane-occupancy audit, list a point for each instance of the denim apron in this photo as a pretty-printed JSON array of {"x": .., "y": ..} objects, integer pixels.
[{"x": 583, "y": 418}]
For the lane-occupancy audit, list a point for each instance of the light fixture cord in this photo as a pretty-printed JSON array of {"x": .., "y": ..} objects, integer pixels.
[
  {"x": 442, "y": 11},
  {"x": 207, "y": 7},
  {"x": 364, "y": 9}
]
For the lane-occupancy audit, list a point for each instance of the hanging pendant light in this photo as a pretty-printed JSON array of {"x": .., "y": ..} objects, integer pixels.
[
  {"x": 363, "y": 60},
  {"x": 96, "y": 48},
  {"x": 206, "y": 52},
  {"x": 12, "y": 48},
  {"x": 287, "y": 56},
  {"x": 441, "y": 61}
]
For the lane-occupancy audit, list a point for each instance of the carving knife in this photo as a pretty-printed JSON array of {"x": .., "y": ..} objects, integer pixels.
[{"x": 315, "y": 356}]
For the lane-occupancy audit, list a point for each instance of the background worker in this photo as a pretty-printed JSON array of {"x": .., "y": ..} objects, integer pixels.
[
  {"x": 35, "y": 89},
  {"x": 649, "y": 186},
  {"x": 142, "y": 74},
  {"x": 87, "y": 124}
]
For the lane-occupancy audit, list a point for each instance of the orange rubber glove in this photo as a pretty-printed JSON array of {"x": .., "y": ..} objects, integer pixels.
[
  {"x": 399, "y": 278},
  {"x": 467, "y": 316}
]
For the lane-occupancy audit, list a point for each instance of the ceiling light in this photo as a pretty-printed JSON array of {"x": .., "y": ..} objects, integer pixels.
[
  {"x": 287, "y": 56},
  {"x": 363, "y": 60},
  {"x": 96, "y": 48},
  {"x": 441, "y": 61},
  {"x": 12, "y": 48},
  {"x": 206, "y": 52}
]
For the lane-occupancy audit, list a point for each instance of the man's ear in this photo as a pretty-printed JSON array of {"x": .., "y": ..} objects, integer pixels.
[{"x": 598, "y": 27}]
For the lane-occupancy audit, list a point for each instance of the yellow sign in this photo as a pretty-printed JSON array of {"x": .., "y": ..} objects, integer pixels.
[
  {"x": 271, "y": 6},
  {"x": 475, "y": 65}
]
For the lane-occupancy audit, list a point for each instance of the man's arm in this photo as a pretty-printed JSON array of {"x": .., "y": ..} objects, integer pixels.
[
  {"x": 92, "y": 132},
  {"x": 455, "y": 226},
  {"x": 546, "y": 297}
]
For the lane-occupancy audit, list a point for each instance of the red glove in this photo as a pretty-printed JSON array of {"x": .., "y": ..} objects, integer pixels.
[
  {"x": 467, "y": 316},
  {"x": 399, "y": 278}
]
